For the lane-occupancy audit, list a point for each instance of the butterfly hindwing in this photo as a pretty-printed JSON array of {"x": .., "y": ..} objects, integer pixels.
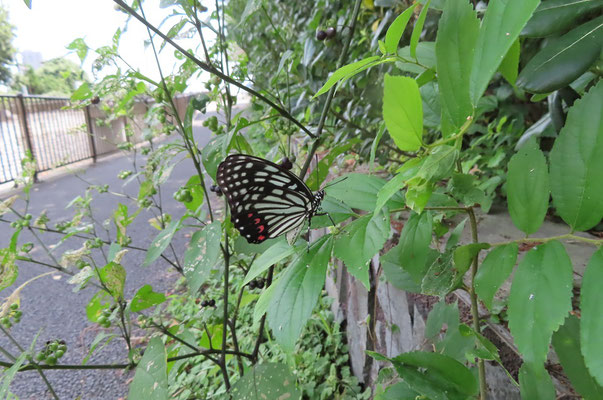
[{"x": 265, "y": 199}]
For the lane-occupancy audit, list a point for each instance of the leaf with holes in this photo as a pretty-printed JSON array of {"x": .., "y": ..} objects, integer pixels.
[
  {"x": 203, "y": 253},
  {"x": 150, "y": 381},
  {"x": 266, "y": 381}
]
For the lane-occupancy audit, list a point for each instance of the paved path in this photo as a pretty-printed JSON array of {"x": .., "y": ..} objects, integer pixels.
[{"x": 49, "y": 305}]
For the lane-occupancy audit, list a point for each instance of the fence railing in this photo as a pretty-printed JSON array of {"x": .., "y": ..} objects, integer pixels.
[{"x": 57, "y": 135}]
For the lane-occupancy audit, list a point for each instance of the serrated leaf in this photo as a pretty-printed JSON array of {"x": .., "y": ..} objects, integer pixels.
[
  {"x": 439, "y": 163},
  {"x": 150, "y": 381},
  {"x": 161, "y": 242},
  {"x": 394, "y": 185},
  {"x": 535, "y": 382},
  {"x": 403, "y": 111},
  {"x": 418, "y": 29},
  {"x": 501, "y": 25},
  {"x": 145, "y": 298},
  {"x": 576, "y": 163},
  {"x": 360, "y": 191},
  {"x": 591, "y": 323},
  {"x": 435, "y": 375},
  {"x": 455, "y": 46},
  {"x": 396, "y": 29},
  {"x": 201, "y": 256},
  {"x": 414, "y": 245},
  {"x": 266, "y": 381},
  {"x": 493, "y": 271},
  {"x": 297, "y": 291},
  {"x": 344, "y": 72},
  {"x": 566, "y": 342},
  {"x": 540, "y": 299},
  {"x": 361, "y": 240},
  {"x": 277, "y": 252},
  {"x": 528, "y": 188}
]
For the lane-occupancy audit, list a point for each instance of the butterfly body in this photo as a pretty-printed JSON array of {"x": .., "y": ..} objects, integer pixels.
[{"x": 265, "y": 199}]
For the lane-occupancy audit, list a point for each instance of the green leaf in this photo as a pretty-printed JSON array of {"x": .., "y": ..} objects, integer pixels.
[
  {"x": 502, "y": 23},
  {"x": 122, "y": 220},
  {"x": 361, "y": 240},
  {"x": 414, "y": 245},
  {"x": 591, "y": 323},
  {"x": 564, "y": 59},
  {"x": 394, "y": 185},
  {"x": 100, "y": 301},
  {"x": 318, "y": 175},
  {"x": 455, "y": 236},
  {"x": 403, "y": 111},
  {"x": 80, "y": 47},
  {"x": 81, "y": 93},
  {"x": 203, "y": 253},
  {"x": 8, "y": 269},
  {"x": 439, "y": 163},
  {"x": 555, "y": 16},
  {"x": 566, "y": 342},
  {"x": 336, "y": 210},
  {"x": 418, "y": 29},
  {"x": 113, "y": 277},
  {"x": 28, "y": 3},
  {"x": 145, "y": 298},
  {"x": 528, "y": 188},
  {"x": 360, "y": 191},
  {"x": 150, "y": 381},
  {"x": 398, "y": 391},
  {"x": 266, "y": 381},
  {"x": 212, "y": 155},
  {"x": 435, "y": 375},
  {"x": 396, "y": 29},
  {"x": 277, "y": 252},
  {"x": 194, "y": 185},
  {"x": 540, "y": 299},
  {"x": 440, "y": 278},
  {"x": 455, "y": 45},
  {"x": 509, "y": 67},
  {"x": 161, "y": 242},
  {"x": 535, "y": 382},
  {"x": 297, "y": 291},
  {"x": 576, "y": 163},
  {"x": 464, "y": 187},
  {"x": 493, "y": 271},
  {"x": 8, "y": 374},
  {"x": 374, "y": 146},
  {"x": 261, "y": 306},
  {"x": 345, "y": 72},
  {"x": 464, "y": 255},
  {"x": 441, "y": 315},
  {"x": 251, "y": 7}
]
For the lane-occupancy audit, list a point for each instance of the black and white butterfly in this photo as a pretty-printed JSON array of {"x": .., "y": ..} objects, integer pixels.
[{"x": 265, "y": 199}]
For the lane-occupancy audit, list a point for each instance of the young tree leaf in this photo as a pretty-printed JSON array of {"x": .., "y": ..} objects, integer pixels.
[
  {"x": 194, "y": 185},
  {"x": 360, "y": 191},
  {"x": 566, "y": 342},
  {"x": 297, "y": 291},
  {"x": 563, "y": 60},
  {"x": 528, "y": 188},
  {"x": 266, "y": 381},
  {"x": 493, "y": 271},
  {"x": 439, "y": 163},
  {"x": 403, "y": 111},
  {"x": 435, "y": 375},
  {"x": 113, "y": 277},
  {"x": 502, "y": 23},
  {"x": 591, "y": 323},
  {"x": 418, "y": 29},
  {"x": 203, "y": 253},
  {"x": 277, "y": 252},
  {"x": 414, "y": 245},
  {"x": 345, "y": 72},
  {"x": 396, "y": 29},
  {"x": 394, "y": 185},
  {"x": 577, "y": 163},
  {"x": 150, "y": 381},
  {"x": 455, "y": 45},
  {"x": 362, "y": 239},
  {"x": 540, "y": 299},
  {"x": 509, "y": 67},
  {"x": 555, "y": 16},
  {"x": 464, "y": 255},
  {"x": 146, "y": 298},
  {"x": 535, "y": 382},
  {"x": 161, "y": 242}
]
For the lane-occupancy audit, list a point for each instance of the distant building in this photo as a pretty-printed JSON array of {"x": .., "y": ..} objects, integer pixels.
[{"x": 31, "y": 58}]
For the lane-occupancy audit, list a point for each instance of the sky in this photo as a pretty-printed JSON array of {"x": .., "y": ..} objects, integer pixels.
[{"x": 52, "y": 24}]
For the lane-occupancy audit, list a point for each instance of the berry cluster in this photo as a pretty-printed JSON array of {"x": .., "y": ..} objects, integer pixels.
[
  {"x": 105, "y": 318},
  {"x": 183, "y": 195},
  {"x": 22, "y": 223},
  {"x": 216, "y": 189},
  {"x": 256, "y": 283},
  {"x": 206, "y": 303},
  {"x": 12, "y": 317},
  {"x": 53, "y": 350},
  {"x": 124, "y": 174},
  {"x": 328, "y": 34}
]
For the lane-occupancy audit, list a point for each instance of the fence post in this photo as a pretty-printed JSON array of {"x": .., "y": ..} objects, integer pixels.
[
  {"x": 90, "y": 133},
  {"x": 25, "y": 131}
]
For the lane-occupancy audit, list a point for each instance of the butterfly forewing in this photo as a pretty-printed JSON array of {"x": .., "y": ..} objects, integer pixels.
[{"x": 265, "y": 199}]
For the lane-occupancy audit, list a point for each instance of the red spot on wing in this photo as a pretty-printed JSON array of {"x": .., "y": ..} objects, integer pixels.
[
  {"x": 261, "y": 228},
  {"x": 250, "y": 215},
  {"x": 256, "y": 221},
  {"x": 261, "y": 237}
]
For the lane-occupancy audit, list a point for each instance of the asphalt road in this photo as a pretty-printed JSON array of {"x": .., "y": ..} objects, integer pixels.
[{"x": 53, "y": 310}]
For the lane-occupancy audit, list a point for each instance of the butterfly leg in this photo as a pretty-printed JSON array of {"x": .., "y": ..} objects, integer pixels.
[{"x": 328, "y": 215}]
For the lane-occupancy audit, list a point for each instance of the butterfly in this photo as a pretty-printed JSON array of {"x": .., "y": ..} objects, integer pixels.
[{"x": 265, "y": 199}]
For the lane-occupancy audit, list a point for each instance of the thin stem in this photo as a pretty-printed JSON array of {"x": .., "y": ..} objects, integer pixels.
[
  {"x": 483, "y": 388},
  {"x": 226, "y": 251},
  {"x": 330, "y": 94},
  {"x": 570, "y": 236}
]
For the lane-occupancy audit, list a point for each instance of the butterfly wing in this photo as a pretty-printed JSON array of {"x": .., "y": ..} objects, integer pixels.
[{"x": 265, "y": 199}]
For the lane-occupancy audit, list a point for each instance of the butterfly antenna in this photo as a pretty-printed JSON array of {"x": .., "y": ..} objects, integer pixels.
[
  {"x": 316, "y": 169},
  {"x": 336, "y": 182}
]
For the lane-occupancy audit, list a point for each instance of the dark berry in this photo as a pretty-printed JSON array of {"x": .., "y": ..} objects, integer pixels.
[
  {"x": 95, "y": 100},
  {"x": 204, "y": 303},
  {"x": 216, "y": 189},
  {"x": 321, "y": 35},
  {"x": 286, "y": 163},
  {"x": 260, "y": 284},
  {"x": 331, "y": 32},
  {"x": 251, "y": 285},
  {"x": 212, "y": 303}
]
